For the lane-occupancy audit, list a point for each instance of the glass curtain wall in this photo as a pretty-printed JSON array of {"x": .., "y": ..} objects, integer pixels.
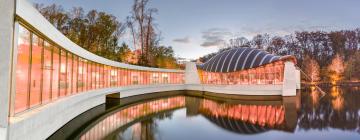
[
  {"x": 267, "y": 74},
  {"x": 46, "y": 72}
]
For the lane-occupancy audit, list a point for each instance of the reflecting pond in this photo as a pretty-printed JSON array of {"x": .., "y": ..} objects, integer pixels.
[{"x": 310, "y": 115}]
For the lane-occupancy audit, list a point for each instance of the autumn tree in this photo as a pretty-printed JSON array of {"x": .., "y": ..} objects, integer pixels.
[
  {"x": 311, "y": 69},
  {"x": 97, "y": 32},
  {"x": 336, "y": 69},
  {"x": 164, "y": 57},
  {"x": 124, "y": 53}
]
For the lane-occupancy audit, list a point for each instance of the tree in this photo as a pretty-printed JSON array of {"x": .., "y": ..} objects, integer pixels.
[
  {"x": 238, "y": 42},
  {"x": 141, "y": 24},
  {"x": 124, "y": 53},
  {"x": 164, "y": 57},
  {"x": 311, "y": 69},
  {"x": 276, "y": 46},
  {"x": 97, "y": 32},
  {"x": 336, "y": 69},
  {"x": 55, "y": 14},
  {"x": 352, "y": 69},
  {"x": 261, "y": 41},
  {"x": 337, "y": 42}
]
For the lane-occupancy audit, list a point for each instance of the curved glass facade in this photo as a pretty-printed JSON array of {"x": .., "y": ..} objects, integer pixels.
[
  {"x": 46, "y": 72},
  {"x": 272, "y": 73}
]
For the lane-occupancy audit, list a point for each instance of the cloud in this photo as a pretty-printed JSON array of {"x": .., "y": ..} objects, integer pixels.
[
  {"x": 182, "y": 40},
  {"x": 215, "y": 37}
]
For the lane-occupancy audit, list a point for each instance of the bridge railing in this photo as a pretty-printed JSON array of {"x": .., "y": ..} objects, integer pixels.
[{"x": 48, "y": 66}]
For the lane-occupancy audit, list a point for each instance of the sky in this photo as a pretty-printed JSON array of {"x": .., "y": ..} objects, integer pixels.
[{"x": 198, "y": 27}]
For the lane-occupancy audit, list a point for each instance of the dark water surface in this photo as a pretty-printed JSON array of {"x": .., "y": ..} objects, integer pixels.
[{"x": 310, "y": 115}]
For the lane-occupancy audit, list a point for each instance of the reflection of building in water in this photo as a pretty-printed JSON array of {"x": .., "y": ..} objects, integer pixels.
[
  {"x": 125, "y": 116},
  {"x": 139, "y": 121},
  {"x": 263, "y": 115},
  {"x": 192, "y": 106}
]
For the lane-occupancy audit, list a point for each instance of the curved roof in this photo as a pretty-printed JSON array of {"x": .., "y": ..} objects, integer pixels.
[{"x": 238, "y": 59}]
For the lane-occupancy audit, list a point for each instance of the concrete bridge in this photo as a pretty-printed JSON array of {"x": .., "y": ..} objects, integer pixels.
[{"x": 36, "y": 108}]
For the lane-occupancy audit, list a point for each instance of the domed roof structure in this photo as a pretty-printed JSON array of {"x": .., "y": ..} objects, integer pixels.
[{"x": 239, "y": 59}]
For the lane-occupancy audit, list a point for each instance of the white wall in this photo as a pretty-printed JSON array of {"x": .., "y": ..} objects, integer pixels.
[
  {"x": 298, "y": 79},
  {"x": 191, "y": 74},
  {"x": 290, "y": 80},
  {"x": 7, "y": 9}
]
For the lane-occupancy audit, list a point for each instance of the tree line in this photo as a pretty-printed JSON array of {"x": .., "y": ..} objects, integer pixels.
[
  {"x": 325, "y": 56},
  {"x": 100, "y": 33}
]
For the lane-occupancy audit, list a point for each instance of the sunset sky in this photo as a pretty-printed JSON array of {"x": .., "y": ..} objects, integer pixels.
[{"x": 197, "y": 27}]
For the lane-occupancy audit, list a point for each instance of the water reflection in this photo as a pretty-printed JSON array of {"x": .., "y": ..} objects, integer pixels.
[
  {"x": 309, "y": 115},
  {"x": 129, "y": 115},
  {"x": 262, "y": 115},
  {"x": 140, "y": 121},
  {"x": 339, "y": 108}
]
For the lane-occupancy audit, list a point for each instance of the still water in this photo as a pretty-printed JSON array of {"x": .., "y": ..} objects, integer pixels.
[{"x": 310, "y": 115}]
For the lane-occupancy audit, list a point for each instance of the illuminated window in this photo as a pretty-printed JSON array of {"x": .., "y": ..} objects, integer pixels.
[
  {"x": 62, "y": 75},
  {"x": 69, "y": 75},
  {"x": 75, "y": 74},
  {"x": 36, "y": 71},
  {"x": 22, "y": 70},
  {"x": 47, "y": 73},
  {"x": 56, "y": 73}
]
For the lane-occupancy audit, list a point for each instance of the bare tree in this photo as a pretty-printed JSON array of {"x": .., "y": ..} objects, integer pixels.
[{"x": 141, "y": 24}]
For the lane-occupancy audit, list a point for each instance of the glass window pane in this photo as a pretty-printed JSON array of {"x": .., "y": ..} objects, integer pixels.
[
  {"x": 93, "y": 76},
  {"x": 63, "y": 77},
  {"x": 83, "y": 83},
  {"x": 81, "y": 73},
  {"x": 47, "y": 72},
  {"x": 55, "y": 73},
  {"x": 75, "y": 74},
  {"x": 89, "y": 75},
  {"x": 69, "y": 73},
  {"x": 22, "y": 70},
  {"x": 36, "y": 71}
]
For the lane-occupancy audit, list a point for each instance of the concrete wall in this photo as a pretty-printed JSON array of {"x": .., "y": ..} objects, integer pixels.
[
  {"x": 7, "y": 10},
  {"x": 191, "y": 74},
  {"x": 290, "y": 80},
  {"x": 298, "y": 79}
]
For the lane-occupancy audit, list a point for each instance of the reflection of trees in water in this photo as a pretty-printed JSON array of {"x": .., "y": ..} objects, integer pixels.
[
  {"x": 339, "y": 109},
  {"x": 144, "y": 130}
]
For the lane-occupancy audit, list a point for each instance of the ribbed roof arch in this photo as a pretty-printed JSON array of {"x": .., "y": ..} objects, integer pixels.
[{"x": 238, "y": 59}]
